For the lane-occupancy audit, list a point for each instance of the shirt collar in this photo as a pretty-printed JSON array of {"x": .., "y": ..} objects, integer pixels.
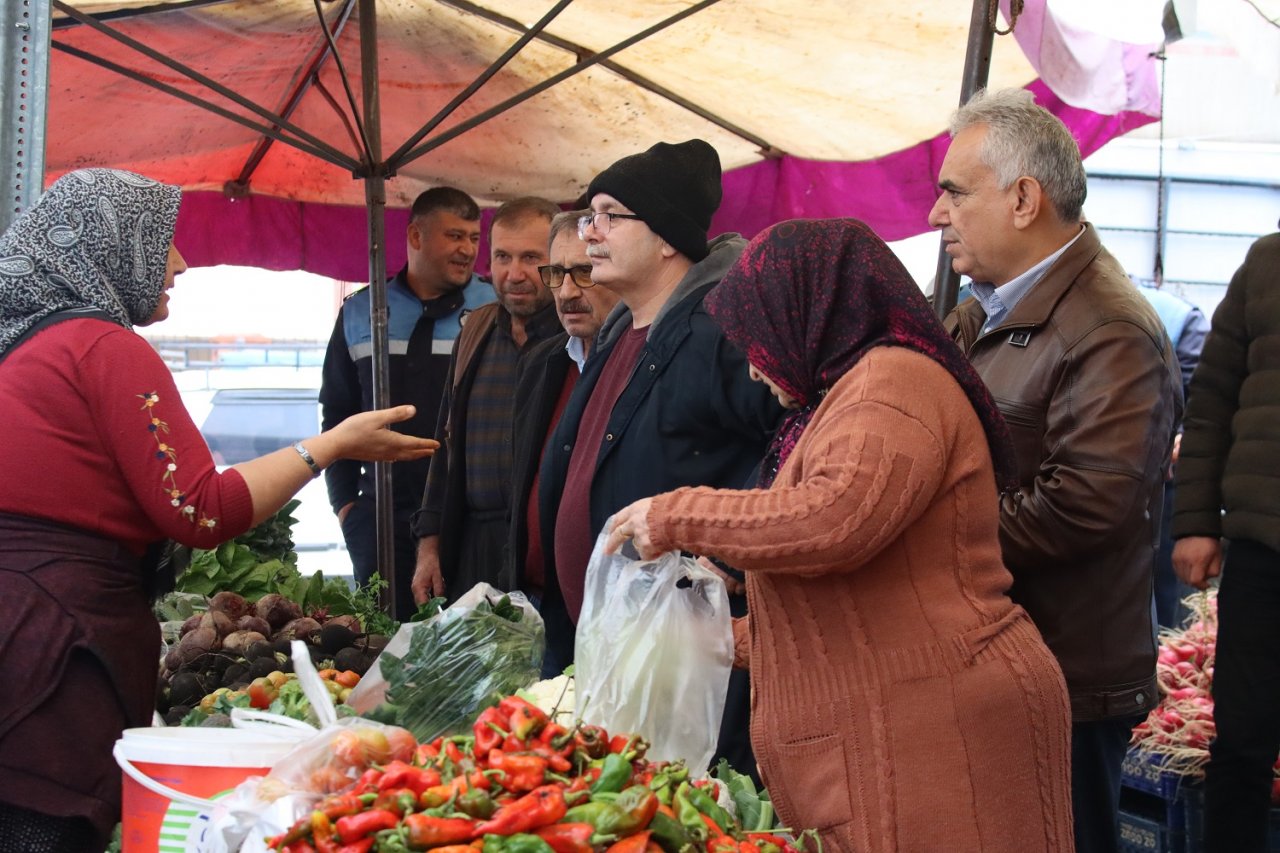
[
  {"x": 999, "y": 301},
  {"x": 577, "y": 351}
]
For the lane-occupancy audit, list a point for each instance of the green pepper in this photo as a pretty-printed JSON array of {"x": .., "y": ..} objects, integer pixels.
[
  {"x": 669, "y": 834},
  {"x": 607, "y": 818},
  {"x": 615, "y": 773},
  {"x": 704, "y": 803},
  {"x": 522, "y": 842},
  {"x": 477, "y": 804},
  {"x": 688, "y": 815}
]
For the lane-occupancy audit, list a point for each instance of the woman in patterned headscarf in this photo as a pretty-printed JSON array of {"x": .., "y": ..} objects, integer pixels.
[
  {"x": 99, "y": 461},
  {"x": 902, "y": 701}
]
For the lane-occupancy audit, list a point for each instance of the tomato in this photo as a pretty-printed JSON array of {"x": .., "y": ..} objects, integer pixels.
[
  {"x": 347, "y": 678},
  {"x": 262, "y": 693}
]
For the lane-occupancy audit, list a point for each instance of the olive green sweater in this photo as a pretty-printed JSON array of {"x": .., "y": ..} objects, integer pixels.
[{"x": 1230, "y": 457}]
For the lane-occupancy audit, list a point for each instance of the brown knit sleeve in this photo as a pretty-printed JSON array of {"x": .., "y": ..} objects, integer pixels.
[{"x": 863, "y": 471}]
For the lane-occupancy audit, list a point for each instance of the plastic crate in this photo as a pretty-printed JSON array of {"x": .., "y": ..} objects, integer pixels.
[
  {"x": 1153, "y": 805},
  {"x": 1195, "y": 824},
  {"x": 1140, "y": 834}
]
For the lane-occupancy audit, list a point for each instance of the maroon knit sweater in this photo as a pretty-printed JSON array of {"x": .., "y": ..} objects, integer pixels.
[
  {"x": 902, "y": 701},
  {"x": 94, "y": 435}
]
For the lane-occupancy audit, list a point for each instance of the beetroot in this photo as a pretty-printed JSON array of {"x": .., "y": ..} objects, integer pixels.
[
  {"x": 277, "y": 610},
  {"x": 302, "y": 628},
  {"x": 230, "y": 603}
]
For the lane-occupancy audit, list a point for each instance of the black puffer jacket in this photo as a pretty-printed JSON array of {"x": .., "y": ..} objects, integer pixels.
[{"x": 1231, "y": 437}]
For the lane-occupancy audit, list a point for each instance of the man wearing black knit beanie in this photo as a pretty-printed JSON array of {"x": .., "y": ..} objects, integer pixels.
[{"x": 664, "y": 400}]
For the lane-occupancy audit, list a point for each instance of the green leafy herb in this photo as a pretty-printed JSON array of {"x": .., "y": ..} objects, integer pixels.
[
  {"x": 754, "y": 808},
  {"x": 459, "y": 662}
]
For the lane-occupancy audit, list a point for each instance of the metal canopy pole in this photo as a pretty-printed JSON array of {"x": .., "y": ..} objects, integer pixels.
[
  {"x": 24, "y": 94},
  {"x": 977, "y": 70},
  {"x": 375, "y": 192}
]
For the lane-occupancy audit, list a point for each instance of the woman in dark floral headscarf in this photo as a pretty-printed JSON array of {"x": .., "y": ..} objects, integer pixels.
[
  {"x": 902, "y": 701},
  {"x": 98, "y": 462}
]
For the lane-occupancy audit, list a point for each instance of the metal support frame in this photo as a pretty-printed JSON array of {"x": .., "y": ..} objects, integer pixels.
[
  {"x": 375, "y": 193},
  {"x": 24, "y": 94},
  {"x": 977, "y": 71}
]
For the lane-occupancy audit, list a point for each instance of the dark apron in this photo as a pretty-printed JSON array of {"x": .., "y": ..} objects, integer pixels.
[{"x": 79, "y": 656}]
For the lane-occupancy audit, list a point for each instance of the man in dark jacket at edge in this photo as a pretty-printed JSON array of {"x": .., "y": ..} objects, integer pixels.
[
  {"x": 426, "y": 302},
  {"x": 664, "y": 401},
  {"x": 544, "y": 380},
  {"x": 1085, "y": 375},
  {"x": 462, "y": 523},
  {"x": 1230, "y": 445}
]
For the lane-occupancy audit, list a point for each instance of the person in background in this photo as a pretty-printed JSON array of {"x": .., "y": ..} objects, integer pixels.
[
  {"x": 462, "y": 522},
  {"x": 886, "y": 657},
  {"x": 1186, "y": 326},
  {"x": 545, "y": 380},
  {"x": 426, "y": 304},
  {"x": 664, "y": 401},
  {"x": 1083, "y": 371},
  {"x": 1229, "y": 486},
  {"x": 101, "y": 465}
]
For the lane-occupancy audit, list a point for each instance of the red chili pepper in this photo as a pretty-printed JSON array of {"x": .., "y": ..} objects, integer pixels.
[
  {"x": 402, "y": 801},
  {"x": 368, "y": 781},
  {"x": 540, "y": 807},
  {"x": 592, "y": 740},
  {"x": 520, "y": 772},
  {"x": 459, "y": 848},
  {"x": 527, "y": 721},
  {"x": 299, "y": 846},
  {"x": 568, "y": 837},
  {"x": 514, "y": 744},
  {"x": 425, "y": 831},
  {"x": 354, "y": 827},
  {"x": 364, "y": 845},
  {"x": 557, "y": 762},
  {"x": 748, "y": 847},
  {"x": 322, "y": 833},
  {"x": 398, "y": 774},
  {"x": 452, "y": 752},
  {"x": 426, "y": 752},
  {"x": 631, "y": 844},
  {"x": 490, "y": 729}
]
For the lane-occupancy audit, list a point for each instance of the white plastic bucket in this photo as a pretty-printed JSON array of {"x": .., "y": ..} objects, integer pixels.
[{"x": 173, "y": 775}]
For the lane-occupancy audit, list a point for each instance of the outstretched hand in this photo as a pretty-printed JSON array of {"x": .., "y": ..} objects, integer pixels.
[
  {"x": 365, "y": 437},
  {"x": 632, "y": 522}
]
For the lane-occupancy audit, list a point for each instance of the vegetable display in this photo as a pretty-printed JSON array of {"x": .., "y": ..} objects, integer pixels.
[
  {"x": 521, "y": 783},
  {"x": 1180, "y": 729},
  {"x": 456, "y": 663}
]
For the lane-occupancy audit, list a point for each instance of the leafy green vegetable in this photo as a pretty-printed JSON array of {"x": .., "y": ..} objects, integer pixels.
[
  {"x": 754, "y": 808},
  {"x": 459, "y": 662}
]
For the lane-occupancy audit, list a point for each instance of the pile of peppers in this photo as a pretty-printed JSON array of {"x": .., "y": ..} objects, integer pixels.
[{"x": 521, "y": 783}]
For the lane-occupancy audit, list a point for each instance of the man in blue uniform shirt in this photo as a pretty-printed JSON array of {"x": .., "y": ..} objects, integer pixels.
[{"x": 426, "y": 302}]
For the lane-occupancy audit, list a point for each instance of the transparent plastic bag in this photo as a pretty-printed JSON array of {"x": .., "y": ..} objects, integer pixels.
[
  {"x": 434, "y": 677},
  {"x": 654, "y": 650}
]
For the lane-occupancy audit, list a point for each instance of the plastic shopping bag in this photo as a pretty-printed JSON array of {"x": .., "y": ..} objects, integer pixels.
[
  {"x": 654, "y": 650},
  {"x": 435, "y": 676}
]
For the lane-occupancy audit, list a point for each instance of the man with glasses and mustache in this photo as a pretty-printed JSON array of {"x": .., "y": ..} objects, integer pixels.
[
  {"x": 545, "y": 379},
  {"x": 462, "y": 524},
  {"x": 664, "y": 401}
]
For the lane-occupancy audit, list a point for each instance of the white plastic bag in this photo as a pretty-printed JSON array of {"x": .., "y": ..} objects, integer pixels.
[
  {"x": 435, "y": 676},
  {"x": 654, "y": 650}
]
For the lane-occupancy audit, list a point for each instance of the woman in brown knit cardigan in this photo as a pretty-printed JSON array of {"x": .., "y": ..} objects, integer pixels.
[{"x": 902, "y": 702}]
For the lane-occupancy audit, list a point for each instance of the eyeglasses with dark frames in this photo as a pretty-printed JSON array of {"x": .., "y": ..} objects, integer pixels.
[
  {"x": 603, "y": 221},
  {"x": 553, "y": 275}
]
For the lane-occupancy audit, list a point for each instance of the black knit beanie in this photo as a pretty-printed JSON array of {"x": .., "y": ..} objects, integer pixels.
[{"x": 675, "y": 189}]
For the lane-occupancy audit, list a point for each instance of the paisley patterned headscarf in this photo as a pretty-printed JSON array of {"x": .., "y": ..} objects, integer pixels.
[
  {"x": 808, "y": 298},
  {"x": 99, "y": 238}
]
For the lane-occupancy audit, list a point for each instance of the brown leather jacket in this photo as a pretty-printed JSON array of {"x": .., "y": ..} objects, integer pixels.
[{"x": 1089, "y": 384}]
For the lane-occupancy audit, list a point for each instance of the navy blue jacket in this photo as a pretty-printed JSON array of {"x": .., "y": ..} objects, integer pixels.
[{"x": 689, "y": 416}]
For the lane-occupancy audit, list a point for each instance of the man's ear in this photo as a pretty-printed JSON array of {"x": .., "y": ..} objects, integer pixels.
[
  {"x": 1029, "y": 201},
  {"x": 415, "y": 236},
  {"x": 668, "y": 251}
]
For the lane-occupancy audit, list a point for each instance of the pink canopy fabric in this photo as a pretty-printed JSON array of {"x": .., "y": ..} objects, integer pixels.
[{"x": 818, "y": 108}]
